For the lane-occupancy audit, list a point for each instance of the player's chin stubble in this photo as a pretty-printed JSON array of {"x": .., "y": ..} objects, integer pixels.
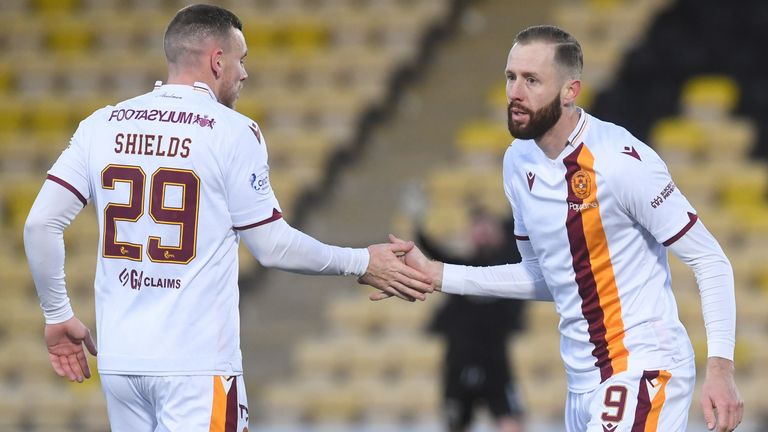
[{"x": 539, "y": 122}]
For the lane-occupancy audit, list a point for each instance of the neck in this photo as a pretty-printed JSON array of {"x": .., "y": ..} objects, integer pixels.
[
  {"x": 190, "y": 78},
  {"x": 554, "y": 141}
]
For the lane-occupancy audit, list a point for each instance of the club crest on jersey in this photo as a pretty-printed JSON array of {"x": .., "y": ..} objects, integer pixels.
[
  {"x": 204, "y": 121},
  {"x": 260, "y": 182},
  {"x": 581, "y": 184}
]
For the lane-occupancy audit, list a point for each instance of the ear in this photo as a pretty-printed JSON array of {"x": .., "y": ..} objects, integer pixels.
[
  {"x": 217, "y": 62},
  {"x": 571, "y": 90}
]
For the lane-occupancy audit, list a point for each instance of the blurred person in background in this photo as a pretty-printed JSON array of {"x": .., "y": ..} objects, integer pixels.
[
  {"x": 595, "y": 213},
  {"x": 178, "y": 178},
  {"x": 476, "y": 367}
]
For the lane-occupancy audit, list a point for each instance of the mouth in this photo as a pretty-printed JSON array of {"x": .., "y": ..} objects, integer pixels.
[{"x": 518, "y": 114}]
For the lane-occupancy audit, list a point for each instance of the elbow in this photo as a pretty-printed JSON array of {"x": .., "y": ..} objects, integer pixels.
[{"x": 33, "y": 226}]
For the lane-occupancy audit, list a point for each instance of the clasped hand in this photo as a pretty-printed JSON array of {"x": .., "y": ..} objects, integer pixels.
[{"x": 398, "y": 269}]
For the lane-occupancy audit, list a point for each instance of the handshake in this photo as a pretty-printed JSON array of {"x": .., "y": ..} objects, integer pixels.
[{"x": 400, "y": 269}]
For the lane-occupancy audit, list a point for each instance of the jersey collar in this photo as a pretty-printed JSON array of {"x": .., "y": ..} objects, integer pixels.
[
  {"x": 197, "y": 86},
  {"x": 574, "y": 139}
]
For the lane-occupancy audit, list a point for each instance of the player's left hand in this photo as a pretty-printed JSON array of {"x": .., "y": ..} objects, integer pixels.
[
  {"x": 720, "y": 399},
  {"x": 387, "y": 272},
  {"x": 65, "y": 348}
]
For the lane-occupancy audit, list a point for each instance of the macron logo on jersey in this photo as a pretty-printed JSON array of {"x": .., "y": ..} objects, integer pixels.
[
  {"x": 630, "y": 151},
  {"x": 531, "y": 178}
]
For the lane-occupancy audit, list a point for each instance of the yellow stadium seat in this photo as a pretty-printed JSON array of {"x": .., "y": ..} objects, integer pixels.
[
  {"x": 401, "y": 399},
  {"x": 356, "y": 315},
  {"x": 729, "y": 139},
  {"x": 69, "y": 36},
  {"x": 710, "y": 96},
  {"x": 484, "y": 137},
  {"x": 408, "y": 319},
  {"x": 300, "y": 147},
  {"x": 284, "y": 402},
  {"x": 261, "y": 35},
  {"x": 18, "y": 200},
  {"x": 55, "y": 7},
  {"x": 744, "y": 184},
  {"x": 11, "y": 115},
  {"x": 306, "y": 36},
  {"x": 678, "y": 140},
  {"x": 339, "y": 403},
  {"x": 6, "y": 78}
]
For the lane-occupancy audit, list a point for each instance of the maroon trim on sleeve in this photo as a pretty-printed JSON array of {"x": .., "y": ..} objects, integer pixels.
[
  {"x": 68, "y": 187},
  {"x": 522, "y": 238},
  {"x": 692, "y": 220},
  {"x": 275, "y": 216}
]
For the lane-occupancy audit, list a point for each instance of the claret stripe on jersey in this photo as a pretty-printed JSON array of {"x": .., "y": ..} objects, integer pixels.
[{"x": 600, "y": 303}]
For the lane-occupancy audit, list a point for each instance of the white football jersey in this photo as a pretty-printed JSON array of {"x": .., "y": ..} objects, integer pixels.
[
  {"x": 598, "y": 218},
  {"x": 173, "y": 175}
]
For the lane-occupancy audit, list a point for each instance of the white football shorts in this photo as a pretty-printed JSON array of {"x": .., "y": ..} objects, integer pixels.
[
  {"x": 635, "y": 401},
  {"x": 176, "y": 403}
]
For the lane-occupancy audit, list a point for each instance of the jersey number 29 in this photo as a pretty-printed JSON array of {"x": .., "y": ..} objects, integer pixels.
[{"x": 184, "y": 216}]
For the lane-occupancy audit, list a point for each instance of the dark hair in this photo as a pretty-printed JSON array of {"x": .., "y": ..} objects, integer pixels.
[
  {"x": 195, "y": 23},
  {"x": 567, "y": 49}
]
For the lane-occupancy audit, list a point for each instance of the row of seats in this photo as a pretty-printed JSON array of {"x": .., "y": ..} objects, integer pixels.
[
  {"x": 297, "y": 33},
  {"x": 315, "y": 67}
]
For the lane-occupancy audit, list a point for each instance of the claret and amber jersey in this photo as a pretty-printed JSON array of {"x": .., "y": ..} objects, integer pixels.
[
  {"x": 598, "y": 218},
  {"x": 173, "y": 175}
]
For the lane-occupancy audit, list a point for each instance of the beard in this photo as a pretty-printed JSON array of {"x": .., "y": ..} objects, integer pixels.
[{"x": 539, "y": 122}]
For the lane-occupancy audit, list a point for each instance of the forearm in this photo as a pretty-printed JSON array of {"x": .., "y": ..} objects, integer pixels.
[
  {"x": 714, "y": 276},
  {"x": 281, "y": 246},
  {"x": 508, "y": 281},
  {"x": 520, "y": 281},
  {"x": 51, "y": 213}
]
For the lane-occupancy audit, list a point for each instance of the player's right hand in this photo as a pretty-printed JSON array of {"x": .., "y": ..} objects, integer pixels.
[
  {"x": 387, "y": 272},
  {"x": 65, "y": 348},
  {"x": 416, "y": 260}
]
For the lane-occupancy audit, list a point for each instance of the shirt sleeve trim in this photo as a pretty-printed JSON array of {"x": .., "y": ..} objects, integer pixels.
[
  {"x": 692, "y": 220},
  {"x": 69, "y": 187},
  {"x": 275, "y": 216},
  {"x": 522, "y": 238}
]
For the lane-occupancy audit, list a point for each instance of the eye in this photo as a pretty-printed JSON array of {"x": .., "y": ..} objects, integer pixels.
[{"x": 530, "y": 80}]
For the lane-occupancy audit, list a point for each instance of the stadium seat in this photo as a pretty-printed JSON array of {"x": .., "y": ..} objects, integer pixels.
[
  {"x": 69, "y": 36},
  {"x": 54, "y": 7},
  {"x": 400, "y": 400},
  {"x": 709, "y": 97},
  {"x": 483, "y": 138},
  {"x": 678, "y": 140},
  {"x": 355, "y": 315}
]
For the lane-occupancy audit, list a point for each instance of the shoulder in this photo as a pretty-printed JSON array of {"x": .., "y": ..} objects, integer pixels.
[
  {"x": 239, "y": 126},
  {"x": 623, "y": 160},
  {"x": 518, "y": 150},
  {"x": 616, "y": 147}
]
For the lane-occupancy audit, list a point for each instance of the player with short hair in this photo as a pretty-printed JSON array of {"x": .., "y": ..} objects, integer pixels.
[
  {"x": 595, "y": 211},
  {"x": 178, "y": 178}
]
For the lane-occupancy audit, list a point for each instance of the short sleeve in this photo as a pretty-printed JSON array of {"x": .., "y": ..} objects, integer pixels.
[
  {"x": 71, "y": 168},
  {"x": 250, "y": 197},
  {"x": 651, "y": 197}
]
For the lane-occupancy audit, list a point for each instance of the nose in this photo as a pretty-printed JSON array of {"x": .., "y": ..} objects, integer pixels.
[{"x": 514, "y": 92}]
